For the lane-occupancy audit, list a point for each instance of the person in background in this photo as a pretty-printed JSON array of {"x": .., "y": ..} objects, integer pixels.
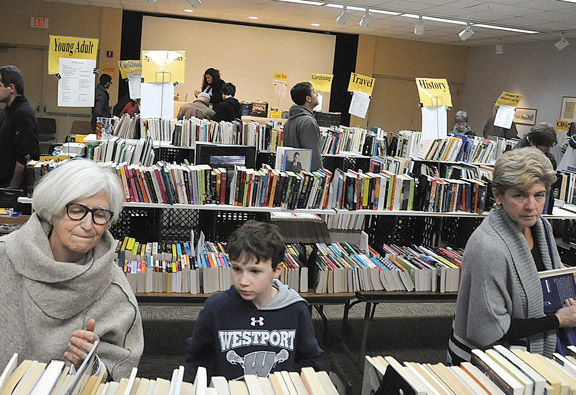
[
  {"x": 301, "y": 130},
  {"x": 212, "y": 85},
  {"x": 259, "y": 325},
  {"x": 18, "y": 129},
  {"x": 131, "y": 108},
  {"x": 102, "y": 100},
  {"x": 541, "y": 136},
  {"x": 500, "y": 296},
  {"x": 197, "y": 109},
  {"x": 58, "y": 273},
  {"x": 229, "y": 108},
  {"x": 492, "y": 130},
  {"x": 569, "y": 154},
  {"x": 122, "y": 102},
  {"x": 461, "y": 125}
]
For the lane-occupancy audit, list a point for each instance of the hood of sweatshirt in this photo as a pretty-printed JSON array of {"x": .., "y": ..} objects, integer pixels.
[
  {"x": 299, "y": 111},
  {"x": 286, "y": 297}
]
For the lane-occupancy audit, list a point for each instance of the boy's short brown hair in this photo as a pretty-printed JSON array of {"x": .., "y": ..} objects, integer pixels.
[{"x": 260, "y": 240}]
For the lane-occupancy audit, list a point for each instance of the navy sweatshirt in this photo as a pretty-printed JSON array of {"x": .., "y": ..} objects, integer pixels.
[{"x": 232, "y": 337}]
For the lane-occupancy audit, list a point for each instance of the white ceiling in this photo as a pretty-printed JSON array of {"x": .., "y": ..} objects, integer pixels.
[{"x": 550, "y": 18}]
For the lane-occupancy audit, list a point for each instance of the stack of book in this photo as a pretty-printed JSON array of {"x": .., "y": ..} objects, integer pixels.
[
  {"x": 494, "y": 371},
  {"x": 120, "y": 150},
  {"x": 565, "y": 187},
  {"x": 182, "y": 268},
  {"x": 459, "y": 148},
  {"x": 343, "y": 267},
  {"x": 38, "y": 378}
]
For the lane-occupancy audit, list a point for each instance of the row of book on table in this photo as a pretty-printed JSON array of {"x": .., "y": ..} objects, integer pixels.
[
  {"x": 336, "y": 139},
  {"x": 496, "y": 371},
  {"x": 55, "y": 378},
  {"x": 322, "y": 268},
  {"x": 322, "y": 189}
]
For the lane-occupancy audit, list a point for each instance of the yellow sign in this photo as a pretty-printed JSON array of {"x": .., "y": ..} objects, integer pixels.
[
  {"x": 129, "y": 66},
  {"x": 509, "y": 99},
  {"x": 434, "y": 92},
  {"x": 361, "y": 83},
  {"x": 322, "y": 82},
  {"x": 70, "y": 47},
  {"x": 163, "y": 66},
  {"x": 55, "y": 158},
  {"x": 281, "y": 77},
  {"x": 110, "y": 70},
  {"x": 562, "y": 125}
]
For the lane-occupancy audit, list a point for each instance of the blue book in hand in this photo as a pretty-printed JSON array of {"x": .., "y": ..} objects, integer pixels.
[{"x": 557, "y": 286}]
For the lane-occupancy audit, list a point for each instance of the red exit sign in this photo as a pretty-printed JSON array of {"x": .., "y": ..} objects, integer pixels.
[{"x": 39, "y": 22}]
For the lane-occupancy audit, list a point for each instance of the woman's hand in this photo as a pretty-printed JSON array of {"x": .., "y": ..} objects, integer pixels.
[
  {"x": 567, "y": 314},
  {"x": 81, "y": 343}
]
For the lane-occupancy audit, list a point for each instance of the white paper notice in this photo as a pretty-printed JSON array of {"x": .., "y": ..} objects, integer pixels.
[
  {"x": 134, "y": 82},
  {"x": 504, "y": 116},
  {"x": 434, "y": 122},
  {"x": 280, "y": 88},
  {"x": 359, "y": 104},
  {"x": 76, "y": 84},
  {"x": 157, "y": 100}
]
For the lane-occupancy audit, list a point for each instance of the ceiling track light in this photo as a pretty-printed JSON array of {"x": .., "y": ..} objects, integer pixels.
[
  {"x": 344, "y": 17},
  {"x": 366, "y": 18},
  {"x": 150, "y": 1},
  {"x": 195, "y": 3},
  {"x": 466, "y": 33},
  {"x": 419, "y": 27},
  {"x": 562, "y": 43}
]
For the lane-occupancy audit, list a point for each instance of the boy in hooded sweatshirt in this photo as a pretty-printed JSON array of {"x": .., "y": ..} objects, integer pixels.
[{"x": 259, "y": 325}]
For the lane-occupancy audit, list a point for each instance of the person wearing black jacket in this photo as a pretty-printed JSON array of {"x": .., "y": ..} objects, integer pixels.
[
  {"x": 18, "y": 129},
  {"x": 212, "y": 84},
  {"x": 259, "y": 325},
  {"x": 229, "y": 109},
  {"x": 102, "y": 100}
]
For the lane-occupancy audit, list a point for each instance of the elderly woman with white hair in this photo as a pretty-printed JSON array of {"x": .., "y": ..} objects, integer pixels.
[
  {"x": 500, "y": 297},
  {"x": 61, "y": 290}
]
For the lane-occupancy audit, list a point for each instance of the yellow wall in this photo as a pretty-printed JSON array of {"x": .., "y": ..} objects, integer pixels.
[
  {"x": 67, "y": 20},
  {"x": 395, "y": 63},
  {"x": 246, "y": 56}
]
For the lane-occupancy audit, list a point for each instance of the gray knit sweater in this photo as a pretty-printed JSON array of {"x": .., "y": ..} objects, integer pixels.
[
  {"x": 44, "y": 301},
  {"x": 499, "y": 282}
]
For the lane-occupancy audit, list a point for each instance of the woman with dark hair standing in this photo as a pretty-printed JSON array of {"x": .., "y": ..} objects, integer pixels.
[{"x": 212, "y": 84}]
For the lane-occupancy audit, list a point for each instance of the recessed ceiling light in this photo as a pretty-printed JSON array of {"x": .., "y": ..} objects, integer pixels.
[
  {"x": 253, "y": 17},
  {"x": 308, "y": 2},
  {"x": 188, "y": 10},
  {"x": 314, "y": 24}
]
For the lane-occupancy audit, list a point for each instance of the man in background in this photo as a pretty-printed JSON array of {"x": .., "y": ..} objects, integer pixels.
[
  {"x": 102, "y": 100},
  {"x": 301, "y": 129},
  {"x": 492, "y": 130},
  {"x": 18, "y": 129},
  {"x": 229, "y": 108},
  {"x": 198, "y": 108},
  {"x": 461, "y": 125}
]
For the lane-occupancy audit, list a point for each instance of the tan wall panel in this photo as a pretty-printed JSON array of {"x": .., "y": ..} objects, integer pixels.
[
  {"x": 66, "y": 20},
  {"x": 246, "y": 56},
  {"x": 395, "y": 63},
  {"x": 395, "y": 105}
]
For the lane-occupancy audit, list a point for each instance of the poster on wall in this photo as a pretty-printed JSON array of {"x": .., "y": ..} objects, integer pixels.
[
  {"x": 76, "y": 83},
  {"x": 359, "y": 104},
  {"x": 280, "y": 83},
  {"x": 65, "y": 47},
  {"x": 163, "y": 66},
  {"x": 434, "y": 92},
  {"x": 322, "y": 82}
]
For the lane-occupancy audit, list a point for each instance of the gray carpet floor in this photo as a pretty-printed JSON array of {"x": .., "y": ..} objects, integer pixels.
[{"x": 408, "y": 331}]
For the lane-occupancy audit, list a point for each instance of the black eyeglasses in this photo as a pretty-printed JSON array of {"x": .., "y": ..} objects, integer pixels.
[{"x": 77, "y": 212}]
